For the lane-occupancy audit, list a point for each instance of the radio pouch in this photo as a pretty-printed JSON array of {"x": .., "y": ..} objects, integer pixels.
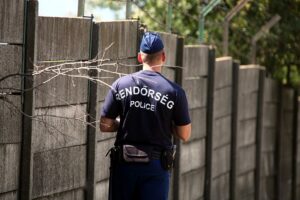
[{"x": 133, "y": 154}]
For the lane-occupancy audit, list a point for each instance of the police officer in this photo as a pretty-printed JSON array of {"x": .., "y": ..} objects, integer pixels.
[{"x": 151, "y": 109}]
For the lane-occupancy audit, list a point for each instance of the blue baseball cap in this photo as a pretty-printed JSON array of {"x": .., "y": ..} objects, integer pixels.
[{"x": 151, "y": 43}]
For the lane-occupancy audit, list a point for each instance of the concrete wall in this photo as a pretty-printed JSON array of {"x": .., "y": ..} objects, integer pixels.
[
  {"x": 59, "y": 131},
  {"x": 11, "y": 32},
  {"x": 286, "y": 145},
  {"x": 269, "y": 132},
  {"x": 298, "y": 152},
  {"x": 246, "y": 132},
  {"x": 192, "y": 155},
  {"x": 221, "y": 133}
]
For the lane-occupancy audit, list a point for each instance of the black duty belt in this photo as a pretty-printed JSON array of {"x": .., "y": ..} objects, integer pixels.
[{"x": 155, "y": 155}]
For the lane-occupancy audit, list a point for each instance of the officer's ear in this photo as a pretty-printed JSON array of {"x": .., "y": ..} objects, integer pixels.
[
  {"x": 163, "y": 56},
  {"x": 140, "y": 58}
]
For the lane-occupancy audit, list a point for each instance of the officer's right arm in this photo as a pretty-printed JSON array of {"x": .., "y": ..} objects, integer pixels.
[
  {"x": 108, "y": 125},
  {"x": 183, "y": 132},
  {"x": 110, "y": 111}
]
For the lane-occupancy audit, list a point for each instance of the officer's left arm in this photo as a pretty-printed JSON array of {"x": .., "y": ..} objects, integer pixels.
[
  {"x": 183, "y": 132},
  {"x": 181, "y": 117},
  {"x": 108, "y": 125}
]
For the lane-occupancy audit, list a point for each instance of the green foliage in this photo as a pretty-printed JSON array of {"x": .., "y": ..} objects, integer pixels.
[
  {"x": 278, "y": 51},
  {"x": 114, "y": 5}
]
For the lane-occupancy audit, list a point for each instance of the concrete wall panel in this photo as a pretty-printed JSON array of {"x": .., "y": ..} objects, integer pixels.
[
  {"x": 58, "y": 127},
  {"x": 192, "y": 66},
  {"x": 117, "y": 39},
  {"x": 198, "y": 117},
  {"x": 196, "y": 92},
  {"x": 10, "y": 120},
  {"x": 222, "y": 131},
  {"x": 193, "y": 154},
  {"x": 58, "y": 170},
  {"x": 221, "y": 161},
  {"x": 192, "y": 185},
  {"x": 53, "y": 89},
  {"x": 63, "y": 38},
  {"x": 9, "y": 167},
  {"x": 11, "y": 21},
  {"x": 223, "y": 72}
]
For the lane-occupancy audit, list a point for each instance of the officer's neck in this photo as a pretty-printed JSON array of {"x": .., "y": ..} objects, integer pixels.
[{"x": 155, "y": 68}]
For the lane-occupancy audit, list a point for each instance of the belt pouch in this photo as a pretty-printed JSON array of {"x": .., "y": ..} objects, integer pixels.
[{"x": 133, "y": 154}]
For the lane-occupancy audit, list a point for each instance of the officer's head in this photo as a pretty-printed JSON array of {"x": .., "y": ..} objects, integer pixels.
[{"x": 152, "y": 50}]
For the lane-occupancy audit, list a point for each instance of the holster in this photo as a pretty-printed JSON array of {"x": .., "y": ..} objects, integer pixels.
[
  {"x": 168, "y": 157},
  {"x": 115, "y": 154}
]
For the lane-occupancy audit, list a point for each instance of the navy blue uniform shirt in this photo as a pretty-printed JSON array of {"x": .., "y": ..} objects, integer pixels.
[{"x": 148, "y": 105}]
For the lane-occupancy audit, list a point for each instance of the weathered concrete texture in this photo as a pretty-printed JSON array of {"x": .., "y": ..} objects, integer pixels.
[
  {"x": 287, "y": 99},
  {"x": 267, "y": 188},
  {"x": 222, "y": 102},
  {"x": 220, "y": 188},
  {"x": 69, "y": 195},
  {"x": 10, "y": 120},
  {"x": 170, "y": 46},
  {"x": 9, "y": 167},
  {"x": 221, "y": 131},
  {"x": 9, "y": 196},
  {"x": 11, "y": 21},
  {"x": 221, "y": 141},
  {"x": 298, "y": 152},
  {"x": 10, "y": 63},
  {"x": 247, "y": 105},
  {"x": 223, "y": 72},
  {"x": 111, "y": 71},
  {"x": 196, "y": 91},
  {"x": 220, "y": 161},
  {"x": 248, "y": 78},
  {"x": 298, "y": 166},
  {"x": 267, "y": 164},
  {"x": 198, "y": 118},
  {"x": 246, "y": 135},
  {"x": 192, "y": 66},
  {"x": 192, "y": 153},
  {"x": 269, "y": 129},
  {"x": 268, "y": 140},
  {"x": 58, "y": 127},
  {"x": 286, "y": 141},
  {"x": 103, "y": 161},
  {"x": 58, "y": 170},
  {"x": 169, "y": 73},
  {"x": 63, "y": 38},
  {"x": 269, "y": 115},
  {"x": 192, "y": 184},
  {"x": 271, "y": 90},
  {"x": 117, "y": 39},
  {"x": 245, "y": 159},
  {"x": 245, "y": 186},
  {"x": 61, "y": 89},
  {"x": 247, "y": 132},
  {"x": 102, "y": 190}
]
